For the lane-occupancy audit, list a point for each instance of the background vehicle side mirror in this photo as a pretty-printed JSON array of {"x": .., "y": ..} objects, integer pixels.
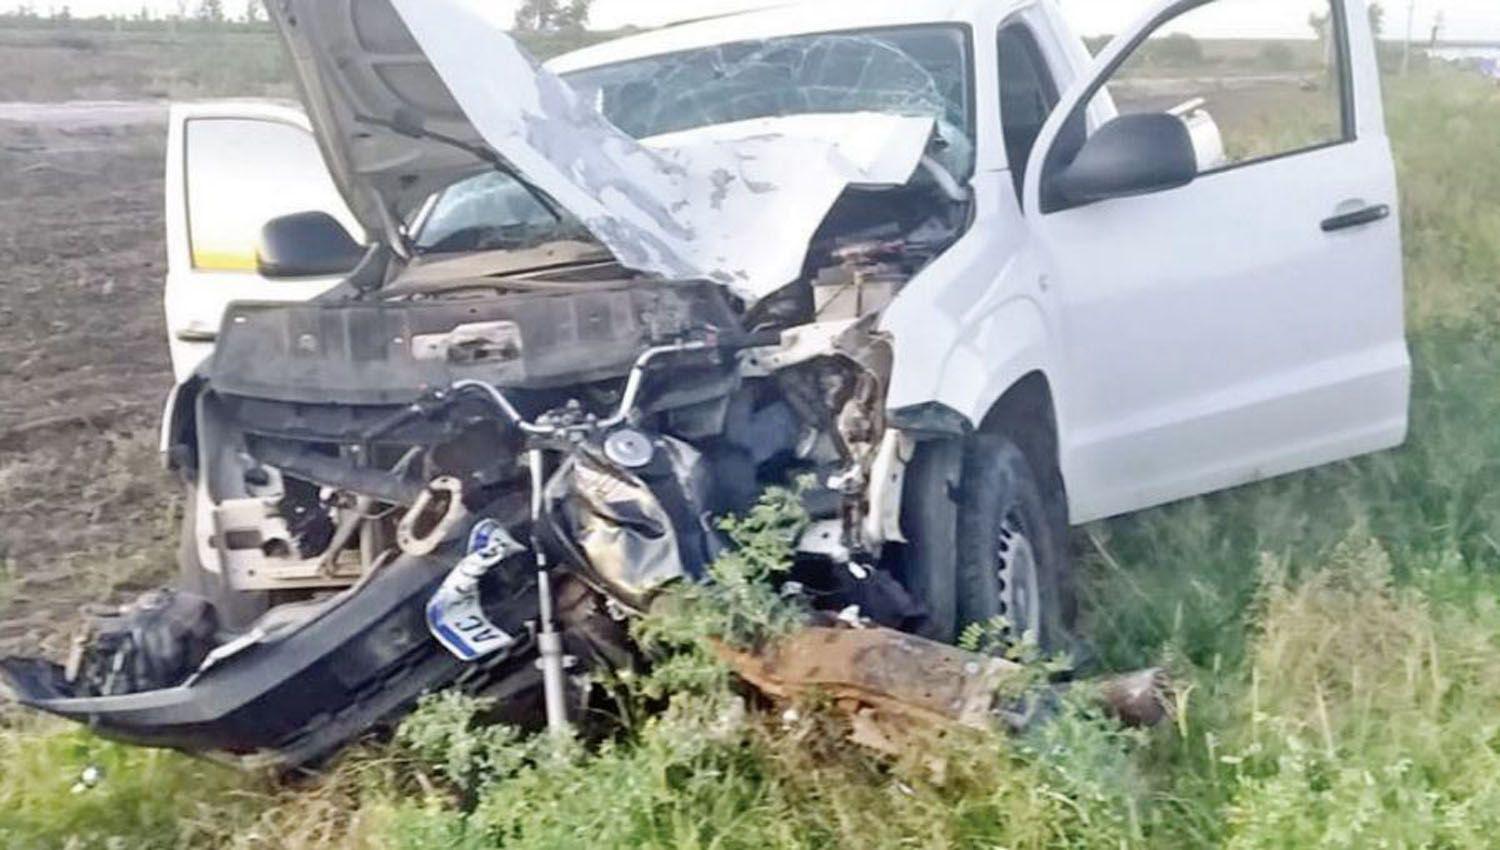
[
  {"x": 1132, "y": 155},
  {"x": 306, "y": 244}
]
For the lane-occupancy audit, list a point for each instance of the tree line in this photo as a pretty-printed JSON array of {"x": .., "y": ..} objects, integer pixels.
[{"x": 547, "y": 17}]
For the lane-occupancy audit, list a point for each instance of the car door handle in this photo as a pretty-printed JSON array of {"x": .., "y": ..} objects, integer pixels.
[{"x": 1358, "y": 218}]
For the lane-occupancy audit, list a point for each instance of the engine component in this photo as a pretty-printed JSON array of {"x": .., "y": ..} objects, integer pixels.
[
  {"x": 434, "y": 519},
  {"x": 393, "y": 487},
  {"x": 258, "y": 547},
  {"x": 864, "y": 282}
]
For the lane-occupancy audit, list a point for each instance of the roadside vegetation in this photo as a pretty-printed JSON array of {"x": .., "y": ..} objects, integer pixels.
[{"x": 1334, "y": 637}]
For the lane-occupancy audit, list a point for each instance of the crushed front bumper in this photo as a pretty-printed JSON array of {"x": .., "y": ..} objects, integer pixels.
[{"x": 280, "y": 703}]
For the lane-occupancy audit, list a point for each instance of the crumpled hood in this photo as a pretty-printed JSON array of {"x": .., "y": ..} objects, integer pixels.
[{"x": 736, "y": 204}]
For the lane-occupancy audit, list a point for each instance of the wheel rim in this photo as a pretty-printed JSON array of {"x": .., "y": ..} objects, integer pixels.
[{"x": 1020, "y": 599}]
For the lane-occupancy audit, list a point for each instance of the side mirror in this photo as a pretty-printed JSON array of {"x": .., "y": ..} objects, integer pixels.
[
  {"x": 1131, "y": 155},
  {"x": 306, "y": 244}
]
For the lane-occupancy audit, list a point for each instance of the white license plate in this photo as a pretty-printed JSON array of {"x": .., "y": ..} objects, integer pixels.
[
  {"x": 460, "y": 625},
  {"x": 455, "y": 614}
]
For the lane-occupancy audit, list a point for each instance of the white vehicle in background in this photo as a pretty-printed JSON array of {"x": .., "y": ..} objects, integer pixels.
[
  {"x": 211, "y": 259},
  {"x": 977, "y": 284}
]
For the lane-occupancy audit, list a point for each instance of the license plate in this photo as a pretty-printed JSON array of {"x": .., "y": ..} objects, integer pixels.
[{"x": 455, "y": 613}]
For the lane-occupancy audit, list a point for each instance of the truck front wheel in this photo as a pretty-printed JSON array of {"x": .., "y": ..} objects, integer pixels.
[{"x": 1012, "y": 551}]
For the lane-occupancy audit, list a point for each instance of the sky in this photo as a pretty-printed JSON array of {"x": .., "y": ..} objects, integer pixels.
[{"x": 1477, "y": 20}]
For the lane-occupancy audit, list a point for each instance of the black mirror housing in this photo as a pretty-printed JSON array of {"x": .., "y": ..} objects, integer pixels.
[
  {"x": 306, "y": 244},
  {"x": 1132, "y": 155}
]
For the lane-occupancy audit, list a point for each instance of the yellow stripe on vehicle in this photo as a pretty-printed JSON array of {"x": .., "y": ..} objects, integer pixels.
[{"x": 227, "y": 261}]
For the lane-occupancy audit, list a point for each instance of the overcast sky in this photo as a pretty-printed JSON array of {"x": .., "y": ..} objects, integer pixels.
[{"x": 1464, "y": 19}]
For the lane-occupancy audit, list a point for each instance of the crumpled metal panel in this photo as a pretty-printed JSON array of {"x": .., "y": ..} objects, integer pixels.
[
  {"x": 638, "y": 531},
  {"x": 738, "y": 211}
]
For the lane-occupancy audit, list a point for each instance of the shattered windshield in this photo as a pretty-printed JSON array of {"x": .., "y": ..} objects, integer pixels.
[
  {"x": 913, "y": 71},
  {"x": 491, "y": 212},
  {"x": 917, "y": 71}
]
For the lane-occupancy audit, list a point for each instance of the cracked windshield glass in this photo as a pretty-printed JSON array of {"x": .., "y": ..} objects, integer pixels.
[{"x": 913, "y": 71}]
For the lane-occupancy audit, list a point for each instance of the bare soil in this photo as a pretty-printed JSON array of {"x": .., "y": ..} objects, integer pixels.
[{"x": 85, "y": 511}]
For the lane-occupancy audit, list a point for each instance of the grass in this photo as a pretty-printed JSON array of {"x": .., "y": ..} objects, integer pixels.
[
  {"x": 1334, "y": 636},
  {"x": 61, "y": 64},
  {"x": 142, "y": 799}
]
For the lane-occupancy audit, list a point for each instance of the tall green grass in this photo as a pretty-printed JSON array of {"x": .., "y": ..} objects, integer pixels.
[
  {"x": 1334, "y": 632},
  {"x": 137, "y": 799},
  {"x": 1333, "y": 636}
]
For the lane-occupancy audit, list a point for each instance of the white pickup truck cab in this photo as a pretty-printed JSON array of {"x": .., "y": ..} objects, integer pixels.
[
  {"x": 972, "y": 282},
  {"x": 1191, "y": 338}
]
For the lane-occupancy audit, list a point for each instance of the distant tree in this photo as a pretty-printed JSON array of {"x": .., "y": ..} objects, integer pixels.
[
  {"x": 532, "y": 15},
  {"x": 1179, "y": 49},
  {"x": 210, "y": 11},
  {"x": 64, "y": 14},
  {"x": 552, "y": 16},
  {"x": 1323, "y": 26},
  {"x": 576, "y": 16},
  {"x": 1377, "y": 19},
  {"x": 1319, "y": 24},
  {"x": 255, "y": 12}
]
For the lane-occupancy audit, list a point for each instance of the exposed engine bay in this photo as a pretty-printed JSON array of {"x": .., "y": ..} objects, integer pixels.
[{"x": 477, "y": 482}]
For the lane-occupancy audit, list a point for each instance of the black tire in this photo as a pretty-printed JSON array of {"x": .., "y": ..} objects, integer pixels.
[
  {"x": 927, "y": 566},
  {"x": 1005, "y": 519},
  {"x": 236, "y": 611}
]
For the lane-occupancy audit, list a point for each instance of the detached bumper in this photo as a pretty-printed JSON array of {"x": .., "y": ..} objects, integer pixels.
[{"x": 284, "y": 703}]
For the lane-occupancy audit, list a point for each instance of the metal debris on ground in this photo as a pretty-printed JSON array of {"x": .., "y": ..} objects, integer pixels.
[{"x": 888, "y": 681}]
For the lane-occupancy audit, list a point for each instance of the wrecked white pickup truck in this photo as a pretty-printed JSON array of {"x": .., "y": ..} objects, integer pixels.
[{"x": 974, "y": 283}]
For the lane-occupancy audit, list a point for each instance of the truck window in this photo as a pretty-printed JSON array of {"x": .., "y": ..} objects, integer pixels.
[
  {"x": 1027, "y": 96},
  {"x": 1253, "y": 79},
  {"x": 243, "y": 172},
  {"x": 491, "y": 212}
]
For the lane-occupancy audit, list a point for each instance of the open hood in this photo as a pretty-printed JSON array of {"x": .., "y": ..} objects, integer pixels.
[{"x": 738, "y": 208}]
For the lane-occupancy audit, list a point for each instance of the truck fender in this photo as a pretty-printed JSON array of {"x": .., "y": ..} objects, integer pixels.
[{"x": 966, "y": 367}]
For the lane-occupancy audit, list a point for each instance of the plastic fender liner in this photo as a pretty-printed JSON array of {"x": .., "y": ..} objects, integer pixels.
[{"x": 288, "y": 702}]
